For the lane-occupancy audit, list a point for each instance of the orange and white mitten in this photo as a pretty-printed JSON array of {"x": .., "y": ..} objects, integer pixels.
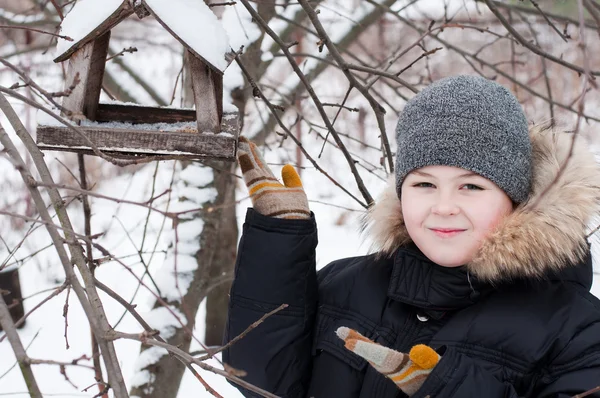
[
  {"x": 270, "y": 197},
  {"x": 408, "y": 371}
]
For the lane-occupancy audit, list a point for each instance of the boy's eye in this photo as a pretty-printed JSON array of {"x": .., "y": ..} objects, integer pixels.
[
  {"x": 423, "y": 185},
  {"x": 472, "y": 187}
]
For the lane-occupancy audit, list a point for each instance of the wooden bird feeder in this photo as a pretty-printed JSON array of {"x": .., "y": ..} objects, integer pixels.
[{"x": 130, "y": 130}]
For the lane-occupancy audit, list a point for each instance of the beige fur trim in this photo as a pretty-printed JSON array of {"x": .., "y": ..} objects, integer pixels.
[
  {"x": 548, "y": 232},
  {"x": 384, "y": 222}
]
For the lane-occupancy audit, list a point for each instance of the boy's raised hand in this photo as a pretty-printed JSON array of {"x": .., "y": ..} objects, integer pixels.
[
  {"x": 408, "y": 371},
  {"x": 270, "y": 197}
]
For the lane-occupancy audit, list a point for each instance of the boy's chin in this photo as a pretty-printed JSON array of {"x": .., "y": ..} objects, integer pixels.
[
  {"x": 448, "y": 260},
  {"x": 450, "y": 265}
]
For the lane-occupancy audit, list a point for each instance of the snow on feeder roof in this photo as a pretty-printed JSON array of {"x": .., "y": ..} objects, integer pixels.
[
  {"x": 133, "y": 130},
  {"x": 191, "y": 22}
]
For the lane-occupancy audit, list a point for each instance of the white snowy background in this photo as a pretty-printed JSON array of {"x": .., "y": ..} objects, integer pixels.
[{"x": 124, "y": 226}]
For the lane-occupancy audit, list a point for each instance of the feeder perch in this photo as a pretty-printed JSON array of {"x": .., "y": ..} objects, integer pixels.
[{"x": 127, "y": 130}]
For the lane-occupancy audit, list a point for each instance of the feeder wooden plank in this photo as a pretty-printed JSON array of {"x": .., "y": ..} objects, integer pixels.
[
  {"x": 143, "y": 114},
  {"x": 88, "y": 63},
  {"x": 132, "y": 141},
  {"x": 135, "y": 142},
  {"x": 206, "y": 98},
  {"x": 120, "y": 14}
]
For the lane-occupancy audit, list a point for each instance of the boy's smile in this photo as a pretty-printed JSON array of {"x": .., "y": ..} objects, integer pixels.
[
  {"x": 446, "y": 233},
  {"x": 449, "y": 211}
]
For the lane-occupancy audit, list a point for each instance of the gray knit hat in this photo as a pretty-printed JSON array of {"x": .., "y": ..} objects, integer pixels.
[{"x": 468, "y": 122}]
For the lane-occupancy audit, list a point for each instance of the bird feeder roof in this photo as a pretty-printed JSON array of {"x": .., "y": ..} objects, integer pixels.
[{"x": 191, "y": 22}]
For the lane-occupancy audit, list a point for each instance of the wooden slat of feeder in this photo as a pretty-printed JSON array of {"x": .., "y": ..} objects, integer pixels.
[
  {"x": 89, "y": 63},
  {"x": 138, "y": 142},
  {"x": 142, "y": 141},
  {"x": 208, "y": 96},
  {"x": 143, "y": 114}
]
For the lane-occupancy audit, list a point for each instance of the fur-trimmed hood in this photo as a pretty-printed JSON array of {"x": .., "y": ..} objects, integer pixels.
[{"x": 545, "y": 234}]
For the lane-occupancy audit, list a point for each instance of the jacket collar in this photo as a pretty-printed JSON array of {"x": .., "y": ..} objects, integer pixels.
[
  {"x": 419, "y": 282},
  {"x": 540, "y": 240}
]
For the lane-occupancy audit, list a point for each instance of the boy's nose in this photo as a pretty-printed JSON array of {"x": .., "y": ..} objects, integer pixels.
[{"x": 445, "y": 206}]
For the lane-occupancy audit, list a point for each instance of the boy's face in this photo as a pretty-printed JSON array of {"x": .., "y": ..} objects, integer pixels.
[{"x": 448, "y": 212}]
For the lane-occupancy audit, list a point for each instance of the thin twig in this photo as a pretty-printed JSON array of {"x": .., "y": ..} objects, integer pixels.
[
  {"x": 378, "y": 110},
  {"x": 532, "y": 47},
  {"x": 228, "y": 3},
  {"x": 258, "y": 91},
  {"x": 130, "y": 50},
  {"x": 583, "y": 46},
  {"x": 423, "y": 55},
  {"x": 587, "y": 393},
  {"x": 527, "y": 10},
  {"x": 144, "y": 338},
  {"x": 483, "y": 62},
  {"x": 67, "y": 38},
  {"x": 562, "y": 36},
  {"x": 341, "y": 106},
  {"x": 379, "y": 72},
  {"x": 361, "y": 186},
  {"x": 55, "y": 293},
  {"x": 593, "y": 11},
  {"x": 237, "y": 338},
  {"x": 17, "y": 362},
  {"x": 335, "y": 118},
  {"x": 65, "y": 315}
]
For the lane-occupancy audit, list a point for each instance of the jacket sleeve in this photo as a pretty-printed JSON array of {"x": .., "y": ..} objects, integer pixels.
[
  {"x": 574, "y": 371},
  {"x": 275, "y": 265}
]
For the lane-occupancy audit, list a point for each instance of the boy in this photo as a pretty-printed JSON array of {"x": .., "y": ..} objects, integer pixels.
[{"x": 481, "y": 255}]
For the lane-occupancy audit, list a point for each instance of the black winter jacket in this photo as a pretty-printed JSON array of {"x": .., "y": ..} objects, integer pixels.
[{"x": 518, "y": 321}]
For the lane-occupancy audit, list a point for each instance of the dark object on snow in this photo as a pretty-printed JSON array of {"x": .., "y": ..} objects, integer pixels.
[{"x": 10, "y": 288}]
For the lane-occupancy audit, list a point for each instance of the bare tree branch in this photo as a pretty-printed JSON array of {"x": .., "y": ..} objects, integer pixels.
[
  {"x": 259, "y": 93},
  {"x": 13, "y": 337},
  {"x": 362, "y": 188},
  {"x": 67, "y": 38},
  {"x": 93, "y": 307},
  {"x": 377, "y": 108},
  {"x": 187, "y": 358},
  {"x": 562, "y": 36},
  {"x": 535, "y": 49}
]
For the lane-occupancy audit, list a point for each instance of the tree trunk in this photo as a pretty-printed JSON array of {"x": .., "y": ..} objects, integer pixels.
[
  {"x": 218, "y": 298},
  {"x": 221, "y": 273},
  {"x": 216, "y": 253}
]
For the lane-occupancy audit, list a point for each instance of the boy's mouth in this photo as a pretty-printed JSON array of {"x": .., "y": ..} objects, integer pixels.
[{"x": 447, "y": 232}]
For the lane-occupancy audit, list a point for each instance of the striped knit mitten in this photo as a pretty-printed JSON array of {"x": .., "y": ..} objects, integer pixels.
[
  {"x": 407, "y": 371},
  {"x": 270, "y": 197}
]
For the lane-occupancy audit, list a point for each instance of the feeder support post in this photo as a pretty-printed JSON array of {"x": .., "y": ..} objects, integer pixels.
[
  {"x": 88, "y": 63},
  {"x": 207, "y": 86}
]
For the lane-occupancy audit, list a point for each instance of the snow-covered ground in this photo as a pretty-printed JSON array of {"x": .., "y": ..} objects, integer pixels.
[{"x": 124, "y": 224}]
